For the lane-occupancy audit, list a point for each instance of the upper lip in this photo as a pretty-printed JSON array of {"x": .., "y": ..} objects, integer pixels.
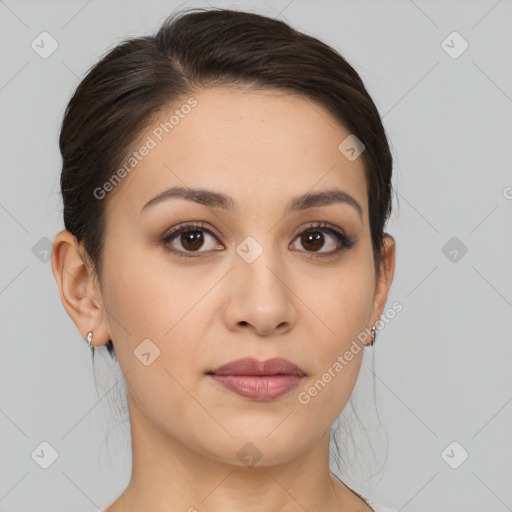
[{"x": 251, "y": 366}]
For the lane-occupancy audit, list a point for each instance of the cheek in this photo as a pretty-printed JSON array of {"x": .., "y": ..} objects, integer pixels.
[
  {"x": 342, "y": 303},
  {"x": 343, "y": 306},
  {"x": 147, "y": 299},
  {"x": 144, "y": 303},
  {"x": 140, "y": 298}
]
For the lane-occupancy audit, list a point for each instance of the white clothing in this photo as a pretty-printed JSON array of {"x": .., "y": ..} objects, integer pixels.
[{"x": 379, "y": 508}]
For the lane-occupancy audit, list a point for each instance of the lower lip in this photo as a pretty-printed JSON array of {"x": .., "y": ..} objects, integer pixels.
[{"x": 262, "y": 387}]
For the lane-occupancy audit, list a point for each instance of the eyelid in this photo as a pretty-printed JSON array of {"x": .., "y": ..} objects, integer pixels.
[
  {"x": 342, "y": 238},
  {"x": 320, "y": 225},
  {"x": 184, "y": 227},
  {"x": 199, "y": 225}
]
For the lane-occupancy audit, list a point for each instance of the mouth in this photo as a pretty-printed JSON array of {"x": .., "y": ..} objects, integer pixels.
[{"x": 258, "y": 380}]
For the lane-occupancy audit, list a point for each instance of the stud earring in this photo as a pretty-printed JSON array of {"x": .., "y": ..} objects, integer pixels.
[
  {"x": 374, "y": 334},
  {"x": 89, "y": 341}
]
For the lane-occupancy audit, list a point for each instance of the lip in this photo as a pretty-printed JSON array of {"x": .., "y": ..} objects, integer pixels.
[{"x": 259, "y": 380}]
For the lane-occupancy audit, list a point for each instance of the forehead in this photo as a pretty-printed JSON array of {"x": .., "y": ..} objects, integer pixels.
[{"x": 252, "y": 145}]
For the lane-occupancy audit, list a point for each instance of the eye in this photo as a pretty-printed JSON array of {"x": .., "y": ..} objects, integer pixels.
[
  {"x": 191, "y": 237},
  {"x": 313, "y": 239}
]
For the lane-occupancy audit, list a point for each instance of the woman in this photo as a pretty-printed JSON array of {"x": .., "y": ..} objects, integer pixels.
[{"x": 226, "y": 184}]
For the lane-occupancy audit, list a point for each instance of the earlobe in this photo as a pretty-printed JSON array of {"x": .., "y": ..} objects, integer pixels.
[{"x": 78, "y": 288}]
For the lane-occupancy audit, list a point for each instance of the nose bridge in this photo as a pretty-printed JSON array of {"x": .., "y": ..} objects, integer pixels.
[
  {"x": 258, "y": 265},
  {"x": 260, "y": 296}
]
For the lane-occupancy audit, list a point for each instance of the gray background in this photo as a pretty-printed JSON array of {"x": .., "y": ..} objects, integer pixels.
[{"x": 442, "y": 367}]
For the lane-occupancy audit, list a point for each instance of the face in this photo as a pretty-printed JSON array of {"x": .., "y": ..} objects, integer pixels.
[{"x": 246, "y": 277}]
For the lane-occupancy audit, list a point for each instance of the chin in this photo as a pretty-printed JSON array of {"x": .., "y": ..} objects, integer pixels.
[{"x": 257, "y": 448}]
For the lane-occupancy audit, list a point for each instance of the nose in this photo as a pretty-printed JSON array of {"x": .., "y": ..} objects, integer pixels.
[{"x": 260, "y": 298}]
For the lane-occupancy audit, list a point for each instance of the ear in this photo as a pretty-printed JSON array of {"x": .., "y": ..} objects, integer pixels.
[
  {"x": 385, "y": 277},
  {"x": 79, "y": 288}
]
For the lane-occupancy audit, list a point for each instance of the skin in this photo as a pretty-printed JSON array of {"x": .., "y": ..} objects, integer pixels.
[{"x": 261, "y": 148}]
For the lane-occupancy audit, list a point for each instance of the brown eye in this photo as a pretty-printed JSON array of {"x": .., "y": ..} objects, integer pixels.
[
  {"x": 192, "y": 240},
  {"x": 314, "y": 239},
  {"x": 188, "y": 239}
]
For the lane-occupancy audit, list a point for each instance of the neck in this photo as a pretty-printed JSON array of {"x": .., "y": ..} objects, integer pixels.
[{"x": 168, "y": 476}]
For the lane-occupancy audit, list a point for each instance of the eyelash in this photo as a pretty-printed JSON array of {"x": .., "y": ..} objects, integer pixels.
[{"x": 324, "y": 227}]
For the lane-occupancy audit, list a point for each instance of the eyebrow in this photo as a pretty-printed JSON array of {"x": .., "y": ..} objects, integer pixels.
[{"x": 213, "y": 199}]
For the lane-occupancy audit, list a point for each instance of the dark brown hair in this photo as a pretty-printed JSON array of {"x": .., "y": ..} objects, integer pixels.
[{"x": 192, "y": 50}]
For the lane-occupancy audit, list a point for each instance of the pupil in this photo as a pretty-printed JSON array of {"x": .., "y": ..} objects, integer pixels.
[
  {"x": 189, "y": 240},
  {"x": 314, "y": 237}
]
